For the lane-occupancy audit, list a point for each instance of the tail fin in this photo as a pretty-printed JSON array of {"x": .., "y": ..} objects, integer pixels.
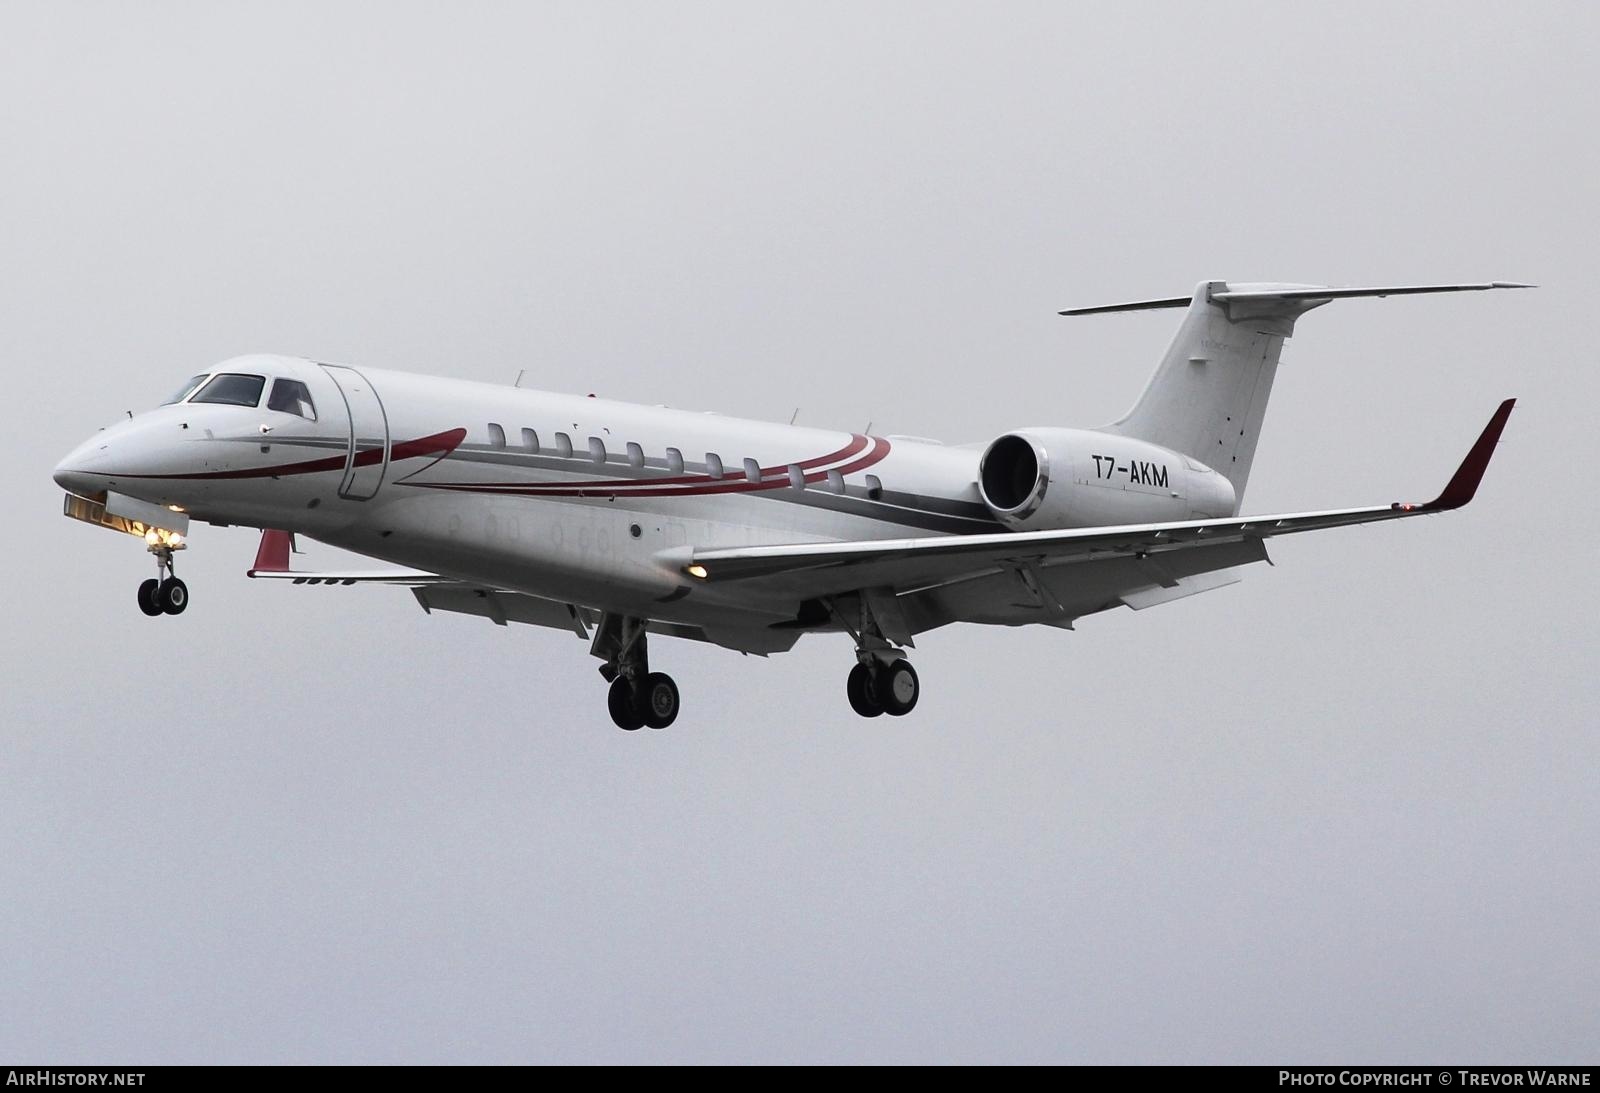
[{"x": 1209, "y": 394}]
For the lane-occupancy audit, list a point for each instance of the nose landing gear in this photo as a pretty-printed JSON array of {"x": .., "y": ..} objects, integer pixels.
[{"x": 164, "y": 594}]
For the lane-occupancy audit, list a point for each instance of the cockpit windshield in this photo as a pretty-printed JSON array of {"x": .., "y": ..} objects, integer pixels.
[
  {"x": 291, "y": 397},
  {"x": 232, "y": 389},
  {"x": 187, "y": 389}
]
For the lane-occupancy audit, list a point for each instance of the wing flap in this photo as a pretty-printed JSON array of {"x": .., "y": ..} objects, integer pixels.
[{"x": 1155, "y": 595}]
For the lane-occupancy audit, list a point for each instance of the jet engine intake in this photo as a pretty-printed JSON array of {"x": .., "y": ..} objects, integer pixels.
[{"x": 1045, "y": 479}]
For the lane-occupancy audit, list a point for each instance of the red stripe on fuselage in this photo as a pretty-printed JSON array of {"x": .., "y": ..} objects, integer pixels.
[
  {"x": 635, "y": 485},
  {"x": 687, "y": 486}
]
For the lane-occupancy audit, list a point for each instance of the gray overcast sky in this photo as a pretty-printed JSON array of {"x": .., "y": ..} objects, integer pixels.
[{"x": 1343, "y": 811}]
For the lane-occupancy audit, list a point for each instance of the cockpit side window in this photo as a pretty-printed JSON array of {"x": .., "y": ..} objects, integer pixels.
[
  {"x": 232, "y": 389},
  {"x": 187, "y": 389},
  {"x": 291, "y": 397}
]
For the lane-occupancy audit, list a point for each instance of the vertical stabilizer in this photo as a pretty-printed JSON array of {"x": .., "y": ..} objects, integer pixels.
[{"x": 1209, "y": 394}]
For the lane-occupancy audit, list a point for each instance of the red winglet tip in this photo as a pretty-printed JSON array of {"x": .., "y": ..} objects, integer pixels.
[
  {"x": 272, "y": 556},
  {"x": 1464, "y": 483}
]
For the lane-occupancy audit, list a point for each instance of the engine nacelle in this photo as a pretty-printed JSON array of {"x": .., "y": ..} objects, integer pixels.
[{"x": 1044, "y": 479}]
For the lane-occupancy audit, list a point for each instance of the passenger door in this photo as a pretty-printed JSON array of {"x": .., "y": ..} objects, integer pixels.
[{"x": 367, "y": 458}]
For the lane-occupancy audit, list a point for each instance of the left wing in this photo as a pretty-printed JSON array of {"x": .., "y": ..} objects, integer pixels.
[
  {"x": 822, "y": 569},
  {"x": 272, "y": 562},
  {"x": 435, "y": 592}
]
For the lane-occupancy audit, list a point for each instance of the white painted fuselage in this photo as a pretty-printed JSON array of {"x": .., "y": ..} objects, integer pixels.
[{"x": 574, "y": 498}]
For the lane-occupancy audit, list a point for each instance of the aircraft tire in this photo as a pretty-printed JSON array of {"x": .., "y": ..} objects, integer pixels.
[
  {"x": 625, "y": 711},
  {"x": 861, "y": 689},
  {"x": 172, "y": 596},
  {"x": 899, "y": 688},
  {"x": 147, "y": 597},
  {"x": 658, "y": 700}
]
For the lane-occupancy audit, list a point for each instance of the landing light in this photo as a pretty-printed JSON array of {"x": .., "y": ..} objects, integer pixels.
[{"x": 697, "y": 571}]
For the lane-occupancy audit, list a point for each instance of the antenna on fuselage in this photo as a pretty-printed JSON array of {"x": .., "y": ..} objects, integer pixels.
[
  {"x": 518, "y": 381},
  {"x": 794, "y": 416}
]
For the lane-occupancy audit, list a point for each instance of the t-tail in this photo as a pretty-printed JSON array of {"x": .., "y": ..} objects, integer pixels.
[{"x": 1209, "y": 394}]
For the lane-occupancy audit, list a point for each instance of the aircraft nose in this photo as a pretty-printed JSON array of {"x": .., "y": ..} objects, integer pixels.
[{"x": 76, "y": 473}]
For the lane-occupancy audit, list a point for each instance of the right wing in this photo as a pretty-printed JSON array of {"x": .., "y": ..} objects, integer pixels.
[{"x": 810, "y": 570}]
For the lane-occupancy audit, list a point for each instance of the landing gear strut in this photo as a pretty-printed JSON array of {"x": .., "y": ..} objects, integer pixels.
[
  {"x": 638, "y": 696},
  {"x": 165, "y": 593}
]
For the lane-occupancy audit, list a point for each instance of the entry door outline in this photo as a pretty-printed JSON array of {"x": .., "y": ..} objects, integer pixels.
[{"x": 369, "y": 421}]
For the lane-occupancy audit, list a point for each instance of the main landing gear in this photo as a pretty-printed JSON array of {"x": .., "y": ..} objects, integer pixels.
[
  {"x": 163, "y": 594},
  {"x": 883, "y": 681},
  {"x": 880, "y": 685},
  {"x": 638, "y": 696}
]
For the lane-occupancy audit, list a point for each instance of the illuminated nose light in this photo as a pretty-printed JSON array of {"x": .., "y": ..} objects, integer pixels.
[
  {"x": 161, "y": 537},
  {"x": 698, "y": 571}
]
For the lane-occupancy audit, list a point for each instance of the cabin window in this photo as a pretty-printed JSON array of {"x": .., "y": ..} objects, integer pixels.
[
  {"x": 674, "y": 461},
  {"x": 835, "y": 482},
  {"x": 714, "y": 464},
  {"x": 530, "y": 440},
  {"x": 232, "y": 389},
  {"x": 291, "y": 397},
  {"x": 635, "y": 455},
  {"x": 186, "y": 390},
  {"x": 874, "y": 487},
  {"x": 564, "y": 445},
  {"x": 497, "y": 436},
  {"x": 752, "y": 471},
  {"x": 597, "y": 449},
  {"x": 797, "y": 477}
]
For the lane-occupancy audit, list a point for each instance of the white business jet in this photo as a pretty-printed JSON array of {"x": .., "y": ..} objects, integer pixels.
[{"x": 620, "y": 522}]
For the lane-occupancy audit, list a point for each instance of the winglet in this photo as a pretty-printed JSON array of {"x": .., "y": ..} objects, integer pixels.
[
  {"x": 1465, "y": 481},
  {"x": 272, "y": 556}
]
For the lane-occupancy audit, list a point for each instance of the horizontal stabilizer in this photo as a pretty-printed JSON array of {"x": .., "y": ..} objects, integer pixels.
[{"x": 1246, "y": 293}]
